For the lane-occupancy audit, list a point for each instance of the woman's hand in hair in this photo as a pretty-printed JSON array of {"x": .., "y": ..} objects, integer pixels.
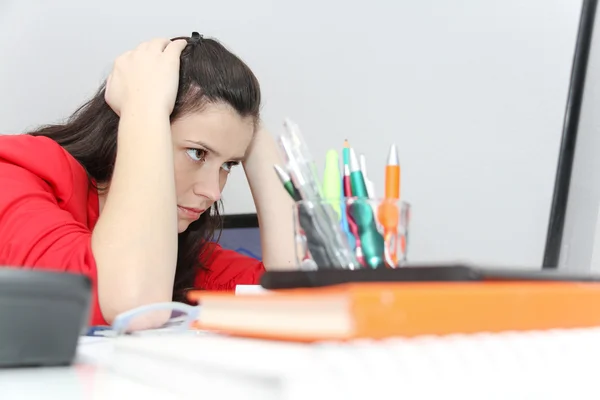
[{"x": 146, "y": 77}]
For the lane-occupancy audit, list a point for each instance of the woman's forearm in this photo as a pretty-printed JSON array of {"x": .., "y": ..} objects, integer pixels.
[
  {"x": 273, "y": 203},
  {"x": 135, "y": 240}
]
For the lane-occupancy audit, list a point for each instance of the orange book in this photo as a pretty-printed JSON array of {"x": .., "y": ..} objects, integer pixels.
[{"x": 381, "y": 310}]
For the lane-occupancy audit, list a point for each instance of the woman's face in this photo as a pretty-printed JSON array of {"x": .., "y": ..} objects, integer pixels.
[{"x": 207, "y": 145}]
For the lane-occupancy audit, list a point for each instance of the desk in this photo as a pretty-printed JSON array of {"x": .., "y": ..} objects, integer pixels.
[
  {"x": 103, "y": 371},
  {"x": 549, "y": 365},
  {"x": 88, "y": 379}
]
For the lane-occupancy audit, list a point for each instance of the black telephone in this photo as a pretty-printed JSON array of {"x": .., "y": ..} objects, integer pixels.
[{"x": 42, "y": 315}]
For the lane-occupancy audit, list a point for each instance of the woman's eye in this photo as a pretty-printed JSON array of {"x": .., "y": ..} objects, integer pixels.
[
  {"x": 197, "y": 155},
  {"x": 229, "y": 165}
]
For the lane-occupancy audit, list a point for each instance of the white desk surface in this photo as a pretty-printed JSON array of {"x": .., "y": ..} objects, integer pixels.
[
  {"x": 87, "y": 379},
  {"x": 549, "y": 365},
  {"x": 102, "y": 370}
]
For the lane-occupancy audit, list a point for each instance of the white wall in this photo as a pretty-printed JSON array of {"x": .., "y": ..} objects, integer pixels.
[
  {"x": 581, "y": 237},
  {"x": 473, "y": 92}
]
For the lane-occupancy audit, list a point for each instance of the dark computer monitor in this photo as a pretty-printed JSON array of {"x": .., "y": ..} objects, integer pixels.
[
  {"x": 558, "y": 208},
  {"x": 240, "y": 233}
]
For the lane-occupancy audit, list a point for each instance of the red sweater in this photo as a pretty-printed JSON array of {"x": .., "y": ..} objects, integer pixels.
[{"x": 48, "y": 210}]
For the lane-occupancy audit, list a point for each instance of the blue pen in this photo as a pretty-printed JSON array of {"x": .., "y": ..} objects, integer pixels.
[
  {"x": 98, "y": 330},
  {"x": 345, "y": 224}
]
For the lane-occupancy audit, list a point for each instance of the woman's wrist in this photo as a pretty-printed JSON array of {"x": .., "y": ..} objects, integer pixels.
[
  {"x": 273, "y": 203},
  {"x": 144, "y": 110},
  {"x": 263, "y": 149}
]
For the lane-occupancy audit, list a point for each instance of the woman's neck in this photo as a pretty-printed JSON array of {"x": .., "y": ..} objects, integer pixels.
[{"x": 102, "y": 193}]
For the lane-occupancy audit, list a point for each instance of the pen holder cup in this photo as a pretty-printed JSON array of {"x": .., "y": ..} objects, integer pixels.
[{"x": 351, "y": 233}]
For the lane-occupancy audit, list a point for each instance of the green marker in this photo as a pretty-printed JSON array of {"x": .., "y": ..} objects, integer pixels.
[
  {"x": 287, "y": 183},
  {"x": 332, "y": 188},
  {"x": 371, "y": 240}
]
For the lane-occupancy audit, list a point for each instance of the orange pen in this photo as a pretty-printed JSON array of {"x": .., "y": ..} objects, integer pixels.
[
  {"x": 388, "y": 213},
  {"x": 392, "y": 175}
]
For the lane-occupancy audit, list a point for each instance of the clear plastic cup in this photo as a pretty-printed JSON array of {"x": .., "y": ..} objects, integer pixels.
[{"x": 351, "y": 233}]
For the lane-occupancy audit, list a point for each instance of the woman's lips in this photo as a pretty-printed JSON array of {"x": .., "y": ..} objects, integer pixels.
[{"x": 190, "y": 213}]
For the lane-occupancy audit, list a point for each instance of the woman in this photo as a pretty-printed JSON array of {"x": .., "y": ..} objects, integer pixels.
[{"x": 127, "y": 190}]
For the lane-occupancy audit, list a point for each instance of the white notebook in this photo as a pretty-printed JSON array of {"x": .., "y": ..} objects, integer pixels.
[
  {"x": 250, "y": 289},
  {"x": 536, "y": 365}
]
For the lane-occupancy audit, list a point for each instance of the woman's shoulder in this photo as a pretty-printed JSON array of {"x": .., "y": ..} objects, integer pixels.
[
  {"x": 224, "y": 269},
  {"x": 26, "y": 142},
  {"x": 38, "y": 154},
  {"x": 35, "y": 150},
  {"x": 36, "y": 168},
  {"x": 41, "y": 157}
]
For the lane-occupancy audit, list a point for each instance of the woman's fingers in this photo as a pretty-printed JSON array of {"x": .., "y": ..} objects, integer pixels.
[
  {"x": 175, "y": 47},
  {"x": 148, "y": 75}
]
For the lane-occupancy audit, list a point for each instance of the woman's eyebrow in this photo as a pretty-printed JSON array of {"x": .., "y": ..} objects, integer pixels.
[{"x": 213, "y": 151}]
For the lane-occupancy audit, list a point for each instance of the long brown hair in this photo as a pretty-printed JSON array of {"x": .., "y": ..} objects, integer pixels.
[{"x": 209, "y": 73}]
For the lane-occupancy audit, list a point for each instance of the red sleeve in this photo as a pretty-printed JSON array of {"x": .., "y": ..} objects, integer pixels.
[
  {"x": 35, "y": 232},
  {"x": 225, "y": 269}
]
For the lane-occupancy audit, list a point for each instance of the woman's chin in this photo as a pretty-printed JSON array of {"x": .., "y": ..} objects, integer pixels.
[{"x": 182, "y": 225}]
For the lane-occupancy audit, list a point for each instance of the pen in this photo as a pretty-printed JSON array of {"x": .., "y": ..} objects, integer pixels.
[
  {"x": 346, "y": 188},
  {"x": 388, "y": 213},
  {"x": 357, "y": 181},
  {"x": 314, "y": 237},
  {"x": 347, "y": 230},
  {"x": 347, "y": 223},
  {"x": 332, "y": 189},
  {"x": 344, "y": 214},
  {"x": 368, "y": 182},
  {"x": 287, "y": 183},
  {"x": 392, "y": 175},
  {"x": 325, "y": 238},
  {"x": 370, "y": 187},
  {"x": 351, "y": 223},
  {"x": 99, "y": 330},
  {"x": 346, "y": 156},
  {"x": 371, "y": 240}
]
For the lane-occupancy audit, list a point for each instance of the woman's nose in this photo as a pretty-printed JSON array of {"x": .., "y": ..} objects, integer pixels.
[{"x": 209, "y": 186}]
